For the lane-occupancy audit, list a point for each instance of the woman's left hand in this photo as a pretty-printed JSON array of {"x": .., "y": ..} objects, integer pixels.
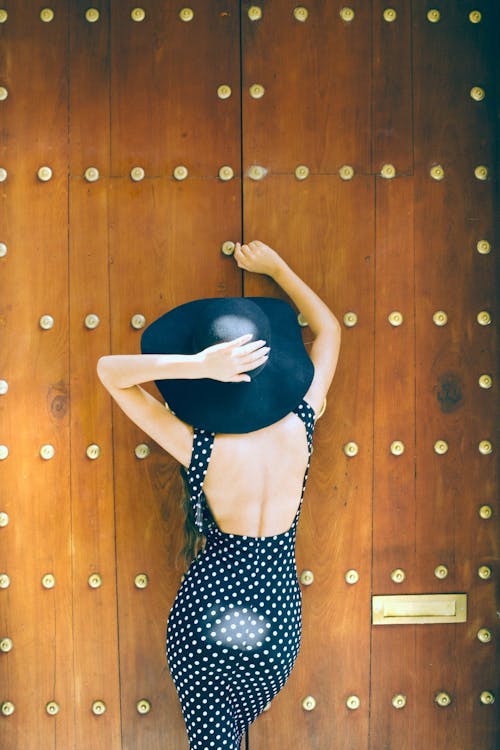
[{"x": 230, "y": 360}]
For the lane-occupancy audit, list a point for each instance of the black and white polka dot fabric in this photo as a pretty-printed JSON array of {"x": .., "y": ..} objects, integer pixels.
[{"x": 234, "y": 630}]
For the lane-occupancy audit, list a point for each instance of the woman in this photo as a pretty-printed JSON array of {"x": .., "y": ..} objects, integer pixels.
[{"x": 241, "y": 420}]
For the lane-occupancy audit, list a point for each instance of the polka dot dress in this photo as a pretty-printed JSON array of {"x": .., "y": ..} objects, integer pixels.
[{"x": 234, "y": 630}]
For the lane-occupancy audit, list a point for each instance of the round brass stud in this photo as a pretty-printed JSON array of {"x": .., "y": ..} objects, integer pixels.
[
  {"x": 437, "y": 172},
  {"x": 92, "y": 321},
  {"x": 47, "y": 452},
  {"x": 142, "y": 450},
  {"x": 52, "y": 708},
  {"x": 3, "y": 249},
  {"x": 307, "y": 577},
  {"x": 487, "y": 698},
  {"x": 181, "y": 172},
  {"x": 301, "y": 172},
  {"x": 138, "y": 321},
  {"x": 441, "y": 447},
  {"x": 4, "y": 387},
  {"x": 186, "y": 14},
  {"x": 300, "y": 13},
  {"x": 3, "y": 93},
  {"x": 398, "y": 575},
  {"x": 397, "y": 448},
  {"x": 143, "y": 706},
  {"x": 483, "y": 247},
  {"x": 441, "y": 572},
  {"x": 224, "y": 91},
  {"x": 3, "y": 174},
  {"x": 346, "y": 172},
  {"x": 91, "y": 174},
  {"x": 395, "y": 318},
  {"x": 254, "y": 13},
  {"x": 481, "y": 172},
  {"x": 440, "y": 318},
  {"x": 353, "y": 702},
  {"x": 226, "y": 173},
  {"x": 138, "y": 15},
  {"x": 350, "y": 319},
  {"x": 257, "y": 91},
  {"x": 485, "y": 512},
  {"x": 47, "y": 15},
  {"x": 44, "y": 174},
  {"x": 4, "y": 452},
  {"x": 3, "y": 15},
  {"x": 4, "y": 581},
  {"x": 267, "y": 707},
  {"x": 98, "y": 708},
  {"x": 485, "y": 447},
  {"x": 477, "y": 93},
  {"x": 95, "y": 581},
  {"x": 8, "y": 708},
  {"x": 390, "y": 15},
  {"x": 137, "y": 174},
  {"x": 309, "y": 703},
  {"x": 443, "y": 699},
  {"x": 301, "y": 320},
  {"x": 433, "y": 15},
  {"x": 485, "y": 381},
  {"x": 399, "y": 701},
  {"x": 483, "y": 318},
  {"x": 388, "y": 171},
  {"x": 4, "y": 519},
  {"x": 93, "y": 451},
  {"x": 351, "y": 449},
  {"x": 92, "y": 15},
  {"x": 484, "y": 572},
  {"x": 475, "y": 16},
  {"x": 46, "y": 322},
  {"x": 256, "y": 172},
  {"x": 48, "y": 581},
  {"x": 351, "y": 577},
  {"x": 141, "y": 581},
  {"x": 322, "y": 409},
  {"x": 228, "y": 247},
  {"x": 6, "y": 645},
  {"x": 484, "y": 635},
  {"x": 346, "y": 14}
]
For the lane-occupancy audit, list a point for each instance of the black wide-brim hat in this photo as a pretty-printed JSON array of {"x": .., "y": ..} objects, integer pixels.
[{"x": 276, "y": 387}]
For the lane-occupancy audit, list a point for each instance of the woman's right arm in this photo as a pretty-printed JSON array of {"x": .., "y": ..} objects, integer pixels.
[{"x": 260, "y": 258}]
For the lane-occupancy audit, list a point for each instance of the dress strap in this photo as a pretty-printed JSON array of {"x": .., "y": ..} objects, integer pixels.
[
  {"x": 203, "y": 442},
  {"x": 308, "y": 416}
]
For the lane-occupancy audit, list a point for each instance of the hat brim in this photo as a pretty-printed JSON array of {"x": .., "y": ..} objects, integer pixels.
[{"x": 234, "y": 407}]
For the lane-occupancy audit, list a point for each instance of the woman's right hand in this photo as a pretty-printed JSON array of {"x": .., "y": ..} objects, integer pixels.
[
  {"x": 231, "y": 360},
  {"x": 257, "y": 257}
]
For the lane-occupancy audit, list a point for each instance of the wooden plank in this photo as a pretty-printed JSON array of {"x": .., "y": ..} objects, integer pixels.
[
  {"x": 316, "y": 106},
  {"x": 157, "y": 264},
  {"x": 35, "y": 410},
  {"x": 300, "y": 219}
]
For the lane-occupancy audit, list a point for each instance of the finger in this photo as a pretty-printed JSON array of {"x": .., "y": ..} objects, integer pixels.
[
  {"x": 257, "y": 363},
  {"x": 242, "y": 378},
  {"x": 240, "y": 340},
  {"x": 252, "y": 346}
]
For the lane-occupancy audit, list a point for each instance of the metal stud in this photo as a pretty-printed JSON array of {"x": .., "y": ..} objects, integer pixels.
[
  {"x": 351, "y": 449},
  {"x": 47, "y": 15},
  {"x": 52, "y": 708},
  {"x": 257, "y": 172},
  {"x": 8, "y": 708},
  {"x": 226, "y": 173},
  {"x": 441, "y": 447},
  {"x": 95, "y": 581},
  {"x": 3, "y": 15},
  {"x": 143, "y": 706},
  {"x": 350, "y": 319},
  {"x": 3, "y": 93},
  {"x": 441, "y": 572},
  {"x": 257, "y": 91},
  {"x": 4, "y": 581},
  {"x": 477, "y": 93},
  {"x": 93, "y": 451},
  {"x": 3, "y": 249},
  {"x": 484, "y": 635},
  {"x": 228, "y": 247},
  {"x": 3, "y": 174},
  {"x": 443, "y": 699},
  {"x": 483, "y": 318},
  {"x": 437, "y": 172},
  {"x": 346, "y": 14},
  {"x": 307, "y": 577},
  {"x": 137, "y": 174},
  {"x": 98, "y": 708},
  {"x": 353, "y": 702},
  {"x": 346, "y": 172},
  {"x": 481, "y": 172},
  {"x": 390, "y": 15},
  {"x": 254, "y": 13},
  {"x": 475, "y": 16},
  {"x": 483, "y": 247},
  {"x": 440, "y": 318},
  {"x": 351, "y": 577},
  {"x": 138, "y": 321},
  {"x": 485, "y": 512},
  {"x": 186, "y": 14},
  {"x": 4, "y": 387},
  {"x": 4, "y": 452},
  {"x": 487, "y": 698},
  {"x": 4, "y": 519},
  {"x": 485, "y": 447},
  {"x": 48, "y": 581},
  {"x": 181, "y": 172},
  {"x": 6, "y": 645},
  {"x": 301, "y": 172},
  {"x": 309, "y": 703},
  {"x": 224, "y": 91},
  {"x": 395, "y": 318},
  {"x": 44, "y": 174},
  {"x": 92, "y": 15},
  {"x": 484, "y": 572},
  {"x": 397, "y": 448},
  {"x": 141, "y": 581},
  {"x": 300, "y": 13},
  {"x": 46, "y": 322},
  {"x": 138, "y": 15},
  {"x": 398, "y": 575},
  {"x": 91, "y": 174},
  {"x": 388, "y": 171},
  {"x": 399, "y": 701},
  {"x": 47, "y": 452},
  {"x": 142, "y": 450},
  {"x": 267, "y": 707},
  {"x": 433, "y": 15},
  {"x": 92, "y": 321},
  {"x": 322, "y": 409},
  {"x": 301, "y": 320}
]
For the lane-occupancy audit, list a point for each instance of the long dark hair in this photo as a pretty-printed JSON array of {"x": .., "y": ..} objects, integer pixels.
[{"x": 194, "y": 542}]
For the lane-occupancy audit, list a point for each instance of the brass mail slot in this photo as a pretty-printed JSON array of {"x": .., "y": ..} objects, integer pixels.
[{"x": 419, "y": 609}]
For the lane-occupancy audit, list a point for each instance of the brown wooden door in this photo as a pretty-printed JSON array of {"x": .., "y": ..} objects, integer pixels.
[{"x": 374, "y": 132}]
